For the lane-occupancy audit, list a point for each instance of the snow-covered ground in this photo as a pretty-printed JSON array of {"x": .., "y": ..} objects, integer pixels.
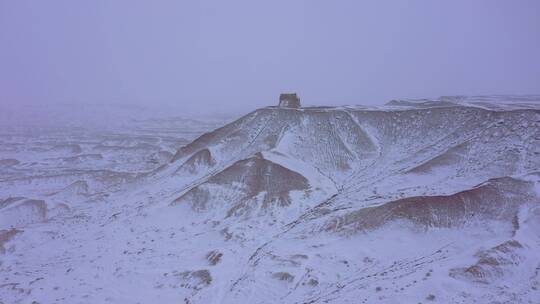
[{"x": 418, "y": 201}]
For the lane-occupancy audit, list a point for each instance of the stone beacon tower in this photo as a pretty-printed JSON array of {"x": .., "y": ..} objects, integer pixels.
[{"x": 289, "y": 100}]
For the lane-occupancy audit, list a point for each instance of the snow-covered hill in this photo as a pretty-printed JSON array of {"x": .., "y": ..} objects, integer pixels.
[{"x": 418, "y": 201}]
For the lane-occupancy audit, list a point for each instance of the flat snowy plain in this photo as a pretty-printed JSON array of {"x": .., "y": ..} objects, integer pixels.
[{"x": 418, "y": 201}]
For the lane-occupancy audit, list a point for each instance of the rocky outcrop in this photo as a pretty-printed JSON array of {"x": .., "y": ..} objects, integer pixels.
[
  {"x": 6, "y": 236},
  {"x": 247, "y": 184},
  {"x": 199, "y": 161},
  {"x": 21, "y": 212},
  {"x": 196, "y": 280},
  {"x": 497, "y": 199},
  {"x": 8, "y": 162},
  {"x": 491, "y": 263}
]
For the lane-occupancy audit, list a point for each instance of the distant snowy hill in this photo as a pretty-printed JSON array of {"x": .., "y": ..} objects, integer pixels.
[{"x": 417, "y": 201}]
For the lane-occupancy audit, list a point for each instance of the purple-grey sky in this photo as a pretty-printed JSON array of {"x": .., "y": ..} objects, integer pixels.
[{"x": 242, "y": 54}]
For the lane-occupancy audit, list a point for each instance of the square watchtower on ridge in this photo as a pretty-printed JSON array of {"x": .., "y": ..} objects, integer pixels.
[{"x": 289, "y": 100}]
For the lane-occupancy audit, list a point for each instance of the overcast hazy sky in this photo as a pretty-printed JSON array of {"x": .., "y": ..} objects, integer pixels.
[{"x": 244, "y": 53}]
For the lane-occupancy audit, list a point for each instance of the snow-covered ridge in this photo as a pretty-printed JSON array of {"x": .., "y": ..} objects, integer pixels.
[{"x": 416, "y": 201}]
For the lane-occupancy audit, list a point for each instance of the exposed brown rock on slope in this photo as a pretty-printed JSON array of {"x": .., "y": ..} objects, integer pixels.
[
  {"x": 200, "y": 160},
  {"x": 242, "y": 182},
  {"x": 497, "y": 199}
]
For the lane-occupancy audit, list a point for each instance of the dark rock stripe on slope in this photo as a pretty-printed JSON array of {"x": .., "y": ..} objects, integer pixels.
[{"x": 497, "y": 199}]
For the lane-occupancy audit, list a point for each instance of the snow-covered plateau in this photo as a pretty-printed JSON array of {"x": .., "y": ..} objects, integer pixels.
[{"x": 417, "y": 201}]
